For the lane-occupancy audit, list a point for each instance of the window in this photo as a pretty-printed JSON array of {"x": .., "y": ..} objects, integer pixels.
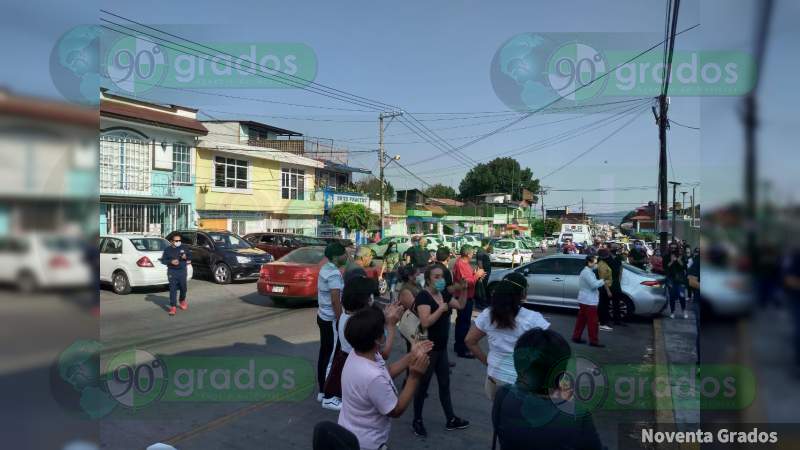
[
  {"x": 124, "y": 163},
  {"x": 292, "y": 183},
  {"x": 238, "y": 227},
  {"x": 230, "y": 173},
  {"x": 112, "y": 246},
  {"x": 150, "y": 244},
  {"x": 225, "y": 240},
  {"x": 572, "y": 266},
  {"x": 544, "y": 267},
  {"x": 181, "y": 164}
]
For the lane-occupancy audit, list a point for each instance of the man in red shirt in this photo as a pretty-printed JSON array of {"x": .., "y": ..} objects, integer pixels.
[{"x": 464, "y": 273}]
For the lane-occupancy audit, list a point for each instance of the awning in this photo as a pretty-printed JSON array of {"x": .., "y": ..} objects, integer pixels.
[{"x": 415, "y": 219}]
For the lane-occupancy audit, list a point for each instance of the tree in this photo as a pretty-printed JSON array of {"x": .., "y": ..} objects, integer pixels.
[
  {"x": 372, "y": 187},
  {"x": 352, "y": 216},
  {"x": 545, "y": 228},
  {"x": 499, "y": 175},
  {"x": 440, "y": 190}
]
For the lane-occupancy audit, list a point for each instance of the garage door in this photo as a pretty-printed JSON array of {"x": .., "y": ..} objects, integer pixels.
[{"x": 213, "y": 224}]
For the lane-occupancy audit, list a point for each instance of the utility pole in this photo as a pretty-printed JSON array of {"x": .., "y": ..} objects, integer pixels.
[
  {"x": 693, "y": 188},
  {"x": 381, "y": 157},
  {"x": 683, "y": 204},
  {"x": 662, "y": 172},
  {"x": 675, "y": 185}
]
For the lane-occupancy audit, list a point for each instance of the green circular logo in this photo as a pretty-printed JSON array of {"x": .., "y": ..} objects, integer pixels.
[
  {"x": 136, "y": 65},
  {"x": 573, "y": 66},
  {"x": 583, "y": 386},
  {"x": 136, "y": 378}
]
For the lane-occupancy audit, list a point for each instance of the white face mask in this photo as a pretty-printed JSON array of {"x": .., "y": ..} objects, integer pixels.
[{"x": 176, "y": 244}]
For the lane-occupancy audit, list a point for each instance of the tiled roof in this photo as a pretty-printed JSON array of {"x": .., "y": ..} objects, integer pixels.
[{"x": 150, "y": 116}]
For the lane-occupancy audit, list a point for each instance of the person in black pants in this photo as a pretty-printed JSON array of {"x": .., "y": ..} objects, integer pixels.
[
  {"x": 176, "y": 259},
  {"x": 434, "y": 315},
  {"x": 615, "y": 262},
  {"x": 485, "y": 263}
]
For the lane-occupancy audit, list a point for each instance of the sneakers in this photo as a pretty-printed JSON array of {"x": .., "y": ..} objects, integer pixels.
[
  {"x": 172, "y": 311},
  {"x": 320, "y": 396},
  {"x": 456, "y": 423},
  {"x": 183, "y": 304},
  {"x": 419, "y": 428},
  {"x": 333, "y": 403},
  {"x": 606, "y": 328},
  {"x": 685, "y": 315}
]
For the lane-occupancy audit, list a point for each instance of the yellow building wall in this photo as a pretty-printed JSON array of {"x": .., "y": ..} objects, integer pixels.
[{"x": 265, "y": 188}]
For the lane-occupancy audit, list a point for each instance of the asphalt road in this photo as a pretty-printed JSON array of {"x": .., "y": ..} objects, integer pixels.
[{"x": 234, "y": 320}]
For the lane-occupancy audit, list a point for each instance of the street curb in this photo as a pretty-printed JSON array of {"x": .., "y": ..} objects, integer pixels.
[{"x": 663, "y": 407}]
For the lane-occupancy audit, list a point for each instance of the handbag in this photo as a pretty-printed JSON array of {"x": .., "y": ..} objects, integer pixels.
[{"x": 410, "y": 327}]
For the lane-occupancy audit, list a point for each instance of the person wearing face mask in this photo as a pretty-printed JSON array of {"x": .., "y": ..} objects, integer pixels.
[
  {"x": 176, "y": 258},
  {"x": 434, "y": 315},
  {"x": 329, "y": 290},
  {"x": 588, "y": 298}
]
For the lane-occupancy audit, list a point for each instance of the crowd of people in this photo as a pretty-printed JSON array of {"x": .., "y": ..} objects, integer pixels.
[{"x": 356, "y": 378}]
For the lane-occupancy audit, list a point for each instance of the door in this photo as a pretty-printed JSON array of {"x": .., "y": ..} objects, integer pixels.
[
  {"x": 202, "y": 252},
  {"x": 9, "y": 259},
  {"x": 571, "y": 270},
  {"x": 545, "y": 284},
  {"x": 110, "y": 257}
]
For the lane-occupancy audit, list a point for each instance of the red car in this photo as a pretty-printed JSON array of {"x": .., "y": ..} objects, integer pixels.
[
  {"x": 279, "y": 245},
  {"x": 295, "y": 275}
]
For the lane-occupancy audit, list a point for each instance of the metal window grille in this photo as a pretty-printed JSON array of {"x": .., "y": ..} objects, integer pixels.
[
  {"x": 124, "y": 165},
  {"x": 147, "y": 218},
  {"x": 181, "y": 164}
]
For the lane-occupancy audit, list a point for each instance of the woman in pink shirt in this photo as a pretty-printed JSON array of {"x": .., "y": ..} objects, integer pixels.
[
  {"x": 463, "y": 271},
  {"x": 369, "y": 396}
]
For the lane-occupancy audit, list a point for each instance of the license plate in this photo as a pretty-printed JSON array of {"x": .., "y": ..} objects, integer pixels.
[{"x": 277, "y": 289}]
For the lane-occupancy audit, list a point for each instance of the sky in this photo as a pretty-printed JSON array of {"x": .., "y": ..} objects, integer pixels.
[{"x": 429, "y": 57}]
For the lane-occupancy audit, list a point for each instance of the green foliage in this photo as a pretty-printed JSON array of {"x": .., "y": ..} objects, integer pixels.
[
  {"x": 540, "y": 228},
  {"x": 499, "y": 175},
  {"x": 352, "y": 216},
  {"x": 372, "y": 187},
  {"x": 440, "y": 190}
]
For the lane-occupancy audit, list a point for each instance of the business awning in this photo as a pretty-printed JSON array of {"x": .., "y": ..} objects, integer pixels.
[{"x": 415, "y": 219}]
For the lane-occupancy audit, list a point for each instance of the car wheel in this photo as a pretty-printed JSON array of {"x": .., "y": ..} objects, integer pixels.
[
  {"x": 222, "y": 274},
  {"x": 26, "y": 282},
  {"x": 120, "y": 283},
  {"x": 626, "y": 308}
]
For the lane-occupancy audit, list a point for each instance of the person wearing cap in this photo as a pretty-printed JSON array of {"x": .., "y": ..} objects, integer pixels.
[{"x": 329, "y": 289}]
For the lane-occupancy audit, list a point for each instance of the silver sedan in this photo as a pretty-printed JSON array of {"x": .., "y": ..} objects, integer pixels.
[{"x": 553, "y": 281}]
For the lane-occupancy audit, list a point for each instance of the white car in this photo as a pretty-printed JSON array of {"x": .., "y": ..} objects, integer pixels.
[
  {"x": 133, "y": 260},
  {"x": 503, "y": 252},
  {"x": 40, "y": 260},
  {"x": 434, "y": 241}
]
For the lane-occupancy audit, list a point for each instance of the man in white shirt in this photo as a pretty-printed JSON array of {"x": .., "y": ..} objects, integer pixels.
[
  {"x": 329, "y": 290},
  {"x": 588, "y": 298}
]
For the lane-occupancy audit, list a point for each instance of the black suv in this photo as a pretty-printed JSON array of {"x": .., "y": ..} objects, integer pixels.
[{"x": 223, "y": 255}]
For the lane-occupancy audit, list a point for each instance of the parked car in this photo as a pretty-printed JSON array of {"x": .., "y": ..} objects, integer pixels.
[
  {"x": 402, "y": 243},
  {"x": 294, "y": 276},
  {"x": 222, "y": 255},
  {"x": 472, "y": 239},
  {"x": 503, "y": 251},
  {"x": 553, "y": 281},
  {"x": 133, "y": 260},
  {"x": 434, "y": 241},
  {"x": 278, "y": 244},
  {"x": 37, "y": 260},
  {"x": 454, "y": 243}
]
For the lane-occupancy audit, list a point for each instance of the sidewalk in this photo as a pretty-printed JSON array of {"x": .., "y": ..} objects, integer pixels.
[{"x": 675, "y": 348}]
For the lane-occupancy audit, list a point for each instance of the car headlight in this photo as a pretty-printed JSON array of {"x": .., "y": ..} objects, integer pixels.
[{"x": 243, "y": 259}]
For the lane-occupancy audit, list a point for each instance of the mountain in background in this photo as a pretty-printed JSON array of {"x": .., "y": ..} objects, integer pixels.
[{"x": 614, "y": 218}]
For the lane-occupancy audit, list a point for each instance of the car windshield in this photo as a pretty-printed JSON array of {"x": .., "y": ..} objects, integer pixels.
[
  {"x": 226, "y": 240},
  {"x": 524, "y": 245},
  {"x": 305, "y": 255},
  {"x": 58, "y": 243},
  {"x": 308, "y": 240},
  {"x": 149, "y": 244},
  {"x": 504, "y": 245}
]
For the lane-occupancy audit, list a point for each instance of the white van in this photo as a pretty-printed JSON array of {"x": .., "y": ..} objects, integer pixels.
[{"x": 578, "y": 232}]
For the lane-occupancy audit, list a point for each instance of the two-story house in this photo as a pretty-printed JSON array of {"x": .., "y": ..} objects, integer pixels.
[
  {"x": 49, "y": 168},
  {"x": 249, "y": 180},
  {"x": 147, "y": 178}
]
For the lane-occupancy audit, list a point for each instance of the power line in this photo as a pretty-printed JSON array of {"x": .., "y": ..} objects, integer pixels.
[
  {"x": 682, "y": 125},
  {"x": 613, "y": 133}
]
